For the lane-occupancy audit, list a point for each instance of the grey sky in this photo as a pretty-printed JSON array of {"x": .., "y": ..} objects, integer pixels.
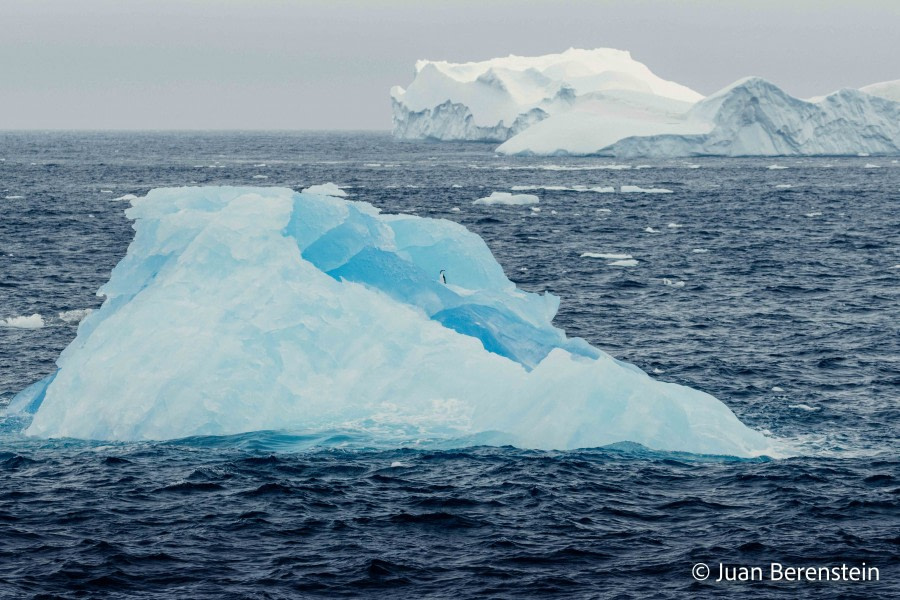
[{"x": 311, "y": 64}]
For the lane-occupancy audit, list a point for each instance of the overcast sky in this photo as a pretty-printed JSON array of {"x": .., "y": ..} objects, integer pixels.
[{"x": 311, "y": 64}]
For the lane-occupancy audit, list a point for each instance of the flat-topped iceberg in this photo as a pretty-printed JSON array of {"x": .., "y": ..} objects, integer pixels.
[
  {"x": 603, "y": 102},
  {"x": 245, "y": 309},
  {"x": 495, "y": 99}
]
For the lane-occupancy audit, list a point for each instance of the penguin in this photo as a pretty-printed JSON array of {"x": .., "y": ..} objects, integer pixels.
[{"x": 443, "y": 277}]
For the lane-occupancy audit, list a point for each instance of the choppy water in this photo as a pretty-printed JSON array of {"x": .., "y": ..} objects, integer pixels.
[{"x": 790, "y": 316}]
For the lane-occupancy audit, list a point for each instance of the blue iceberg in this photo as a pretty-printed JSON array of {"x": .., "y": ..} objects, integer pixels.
[{"x": 248, "y": 309}]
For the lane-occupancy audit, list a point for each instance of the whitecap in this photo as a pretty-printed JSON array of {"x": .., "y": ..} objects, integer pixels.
[
  {"x": 606, "y": 256},
  {"x": 814, "y": 214},
  {"x": 650, "y": 230},
  {"x": 634, "y": 189},
  {"x": 699, "y": 250},
  {"x": 34, "y": 321},
  {"x": 13, "y": 197},
  {"x": 672, "y": 282},
  {"x": 623, "y": 263},
  {"x": 674, "y": 226},
  {"x": 775, "y": 167},
  {"x": 76, "y": 315},
  {"x": 805, "y": 407},
  {"x": 260, "y": 177}
]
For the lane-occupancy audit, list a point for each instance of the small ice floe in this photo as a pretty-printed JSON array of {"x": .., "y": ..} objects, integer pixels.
[
  {"x": 658, "y": 371},
  {"x": 623, "y": 263},
  {"x": 674, "y": 226},
  {"x": 552, "y": 212},
  {"x": 693, "y": 166},
  {"x": 777, "y": 389},
  {"x": 776, "y": 167},
  {"x": 260, "y": 165},
  {"x": 871, "y": 166},
  {"x": 895, "y": 267},
  {"x": 650, "y": 230},
  {"x": 699, "y": 250},
  {"x": 456, "y": 185},
  {"x": 508, "y": 199},
  {"x": 643, "y": 167},
  {"x": 863, "y": 154},
  {"x": 397, "y": 464},
  {"x": 125, "y": 198},
  {"x": 75, "y": 316},
  {"x": 784, "y": 186},
  {"x": 34, "y": 321},
  {"x": 523, "y": 269},
  {"x": 672, "y": 282},
  {"x": 535, "y": 209},
  {"x": 13, "y": 197},
  {"x": 805, "y": 407},
  {"x": 260, "y": 177},
  {"x": 454, "y": 209},
  {"x": 326, "y": 189},
  {"x": 634, "y": 189},
  {"x": 813, "y": 214},
  {"x": 106, "y": 191},
  {"x": 606, "y": 256}
]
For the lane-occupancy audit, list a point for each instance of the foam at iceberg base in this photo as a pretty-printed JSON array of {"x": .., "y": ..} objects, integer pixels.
[{"x": 246, "y": 309}]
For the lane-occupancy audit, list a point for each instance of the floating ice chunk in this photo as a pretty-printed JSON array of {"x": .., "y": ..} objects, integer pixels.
[
  {"x": 623, "y": 263},
  {"x": 650, "y": 230},
  {"x": 777, "y": 389},
  {"x": 260, "y": 165},
  {"x": 776, "y": 167},
  {"x": 260, "y": 177},
  {"x": 674, "y": 226},
  {"x": 535, "y": 209},
  {"x": 672, "y": 282},
  {"x": 456, "y": 185},
  {"x": 106, "y": 191},
  {"x": 245, "y": 309},
  {"x": 604, "y": 210},
  {"x": 813, "y": 214},
  {"x": 454, "y": 209},
  {"x": 872, "y": 166},
  {"x": 606, "y": 256},
  {"x": 895, "y": 267},
  {"x": 634, "y": 189},
  {"x": 125, "y": 198},
  {"x": 805, "y": 407},
  {"x": 784, "y": 186},
  {"x": 35, "y": 321},
  {"x": 699, "y": 250},
  {"x": 75, "y": 316},
  {"x": 508, "y": 199},
  {"x": 693, "y": 166},
  {"x": 326, "y": 189},
  {"x": 397, "y": 464},
  {"x": 13, "y": 197}
]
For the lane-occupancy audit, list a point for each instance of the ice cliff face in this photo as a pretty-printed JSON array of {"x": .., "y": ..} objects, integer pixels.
[
  {"x": 496, "y": 99},
  {"x": 243, "y": 309},
  {"x": 752, "y": 117}
]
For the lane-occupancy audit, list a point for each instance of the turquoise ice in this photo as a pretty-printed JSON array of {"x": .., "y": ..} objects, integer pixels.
[{"x": 245, "y": 309}]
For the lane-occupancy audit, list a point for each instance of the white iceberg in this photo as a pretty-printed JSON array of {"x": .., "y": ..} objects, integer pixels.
[
  {"x": 508, "y": 199},
  {"x": 885, "y": 89},
  {"x": 244, "y": 309},
  {"x": 495, "y": 99},
  {"x": 751, "y": 117}
]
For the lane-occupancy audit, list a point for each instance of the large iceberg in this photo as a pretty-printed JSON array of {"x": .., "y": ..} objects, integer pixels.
[
  {"x": 603, "y": 102},
  {"x": 495, "y": 99},
  {"x": 752, "y": 117},
  {"x": 245, "y": 309}
]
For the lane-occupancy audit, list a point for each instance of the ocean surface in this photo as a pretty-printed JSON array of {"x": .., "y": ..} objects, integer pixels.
[{"x": 775, "y": 289}]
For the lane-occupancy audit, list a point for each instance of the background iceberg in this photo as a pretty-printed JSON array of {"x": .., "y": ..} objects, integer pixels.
[
  {"x": 243, "y": 309},
  {"x": 495, "y": 99},
  {"x": 603, "y": 102}
]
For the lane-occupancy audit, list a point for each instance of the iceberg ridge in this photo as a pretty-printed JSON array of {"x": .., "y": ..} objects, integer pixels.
[{"x": 246, "y": 309}]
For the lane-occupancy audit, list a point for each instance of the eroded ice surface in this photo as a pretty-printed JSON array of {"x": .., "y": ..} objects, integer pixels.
[{"x": 242, "y": 309}]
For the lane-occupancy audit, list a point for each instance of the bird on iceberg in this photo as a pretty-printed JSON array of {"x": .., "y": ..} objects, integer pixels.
[{"x": 443, "y": 277}]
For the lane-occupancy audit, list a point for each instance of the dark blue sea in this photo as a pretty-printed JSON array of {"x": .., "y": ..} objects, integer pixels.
[{"x": 775, "y": 289}]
